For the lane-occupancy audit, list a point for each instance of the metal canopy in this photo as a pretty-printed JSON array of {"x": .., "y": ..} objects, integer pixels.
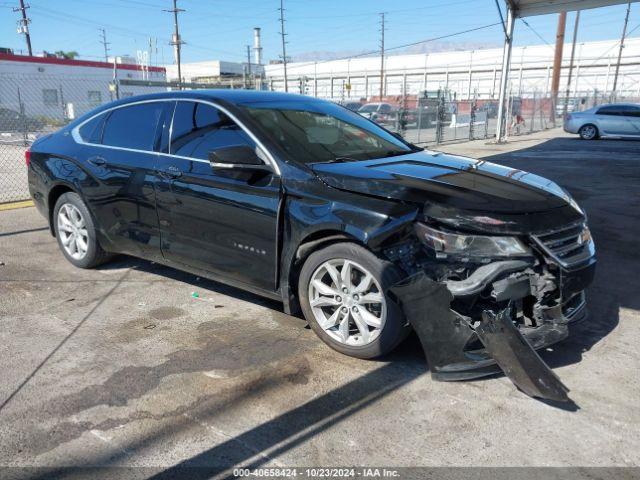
[{"x": 527, "y": 8}]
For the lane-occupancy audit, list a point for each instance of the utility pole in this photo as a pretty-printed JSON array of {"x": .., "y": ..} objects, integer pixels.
[
  {"x": 557, "y": 64},
  {"x": 284, "y": 48},
  {"x": 23, "y": 24},
  {"x": 105, "y": 44},
  {"x": 176, "y": 41},
  {"x": 624, "y": 34},
  {"x": 573, "y": 53},
  {"x": 249, "y": 63},
  {"x": 382, "y": 55}
]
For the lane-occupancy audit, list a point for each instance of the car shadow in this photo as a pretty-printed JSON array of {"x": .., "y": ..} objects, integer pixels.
[{"x": 199, "y": 283}]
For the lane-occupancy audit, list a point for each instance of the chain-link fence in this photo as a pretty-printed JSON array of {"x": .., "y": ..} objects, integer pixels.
[
  {"x": 33, "y": 105},
  {"x": 441, "y": 118}
]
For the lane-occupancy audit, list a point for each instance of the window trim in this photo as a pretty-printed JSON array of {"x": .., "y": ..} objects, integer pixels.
[{"x": 268, "y": 157}]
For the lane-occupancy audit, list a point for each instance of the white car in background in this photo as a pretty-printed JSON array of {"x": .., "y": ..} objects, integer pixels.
[
  {"x": 379, "y": 112},
  {"x": 620, "y": 120}
]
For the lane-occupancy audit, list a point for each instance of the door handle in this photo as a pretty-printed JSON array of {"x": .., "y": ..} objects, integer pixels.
[
  {"x": 170, "y": 172},
  {"x": 97, "y": 161}
]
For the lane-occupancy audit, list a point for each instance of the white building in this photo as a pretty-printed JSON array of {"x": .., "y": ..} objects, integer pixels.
[
  {"x": 467, "y": 73},
  {"x": 59, "y": 89},
  {"x": 214, "y": 71}
]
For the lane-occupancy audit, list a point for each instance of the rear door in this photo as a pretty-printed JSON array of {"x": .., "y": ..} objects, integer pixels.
[
  {"x": 611, "y": 120},
  {"x": 117, "y": 148},
  {"x": 215, "y": 219}
]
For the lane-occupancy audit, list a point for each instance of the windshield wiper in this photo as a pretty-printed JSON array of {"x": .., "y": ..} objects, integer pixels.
[{"x": 339, "y": 160}]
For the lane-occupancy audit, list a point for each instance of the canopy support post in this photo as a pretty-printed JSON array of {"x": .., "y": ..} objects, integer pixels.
[{"x": 504, "y": 78}]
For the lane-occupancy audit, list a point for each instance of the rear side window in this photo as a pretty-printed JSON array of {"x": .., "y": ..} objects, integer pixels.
[
  {"x": 133, "y": 127},
  {"x": 91, "y": 132},
  {"x": 199, "y": 128}
]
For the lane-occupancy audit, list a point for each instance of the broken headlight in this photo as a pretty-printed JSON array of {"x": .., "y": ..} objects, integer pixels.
[{"x": 448, "y": 243}]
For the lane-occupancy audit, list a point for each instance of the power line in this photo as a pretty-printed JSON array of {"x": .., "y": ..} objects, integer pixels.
[
  {"x": 536, "y": 33},
  {"x": 23, "y": 25},
  {"x": 284, "y": 48}
]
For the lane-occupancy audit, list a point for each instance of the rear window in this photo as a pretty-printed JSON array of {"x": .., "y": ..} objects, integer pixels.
[
  {"x": 133, "y": 127},
  {"x": 91, "y": 132}
]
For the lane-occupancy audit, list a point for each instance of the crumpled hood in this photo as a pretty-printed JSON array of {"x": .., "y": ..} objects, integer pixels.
[{"x": 449, "y": 181}]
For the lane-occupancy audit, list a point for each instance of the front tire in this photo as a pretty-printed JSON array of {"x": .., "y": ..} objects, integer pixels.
[
  {"x": 588, "y": 132},
  {"x": 75, "y": 232},
  {"x": 342, "y": 290}
]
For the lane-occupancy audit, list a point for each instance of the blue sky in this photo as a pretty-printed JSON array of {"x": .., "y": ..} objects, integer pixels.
[{"x": 220, "y": 29}]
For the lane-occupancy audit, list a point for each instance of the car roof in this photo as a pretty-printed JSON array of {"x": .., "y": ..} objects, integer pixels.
[
  {"x": 231, "y": 96},
  {"x": 619, "y": 105}
]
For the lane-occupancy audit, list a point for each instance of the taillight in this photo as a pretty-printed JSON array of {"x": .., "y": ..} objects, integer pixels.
[{"x": 27, "y": 157}]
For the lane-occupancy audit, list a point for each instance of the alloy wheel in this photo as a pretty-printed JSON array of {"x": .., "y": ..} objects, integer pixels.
[
  {"x": 347, "y": 302},
  {"x": 588, "y": 132},
  {"x": 73, "y": 231}
]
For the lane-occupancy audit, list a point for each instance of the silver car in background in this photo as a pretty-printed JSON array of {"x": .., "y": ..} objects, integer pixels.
[{"x": 620, "y": 120}]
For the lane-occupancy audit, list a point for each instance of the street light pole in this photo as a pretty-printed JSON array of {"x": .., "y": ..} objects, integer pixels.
[{"x": 624, "y": 34}]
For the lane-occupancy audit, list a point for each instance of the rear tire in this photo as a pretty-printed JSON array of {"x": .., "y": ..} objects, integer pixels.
[
  {"x": 588, "y": 132},
  {"x": 75, "y": 232},
  {"x": 353, "y": 316}
]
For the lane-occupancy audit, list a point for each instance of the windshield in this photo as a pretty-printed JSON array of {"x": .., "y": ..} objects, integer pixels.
[
  {"x": 313, "y": 132},
  {"x": 371, "y": 107}
]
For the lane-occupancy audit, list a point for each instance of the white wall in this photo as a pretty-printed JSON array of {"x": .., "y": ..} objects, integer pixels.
[
  {"x": 467, "y": 72},
  {"x": 26, "y": 82}
]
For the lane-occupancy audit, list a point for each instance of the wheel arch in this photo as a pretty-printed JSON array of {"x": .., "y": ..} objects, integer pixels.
[
  {"x": 309, "y": 244},
  {"x": 54, "y": 194}
]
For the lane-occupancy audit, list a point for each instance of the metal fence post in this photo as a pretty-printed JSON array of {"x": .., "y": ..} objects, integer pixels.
[{"x": 533, "y": 112}]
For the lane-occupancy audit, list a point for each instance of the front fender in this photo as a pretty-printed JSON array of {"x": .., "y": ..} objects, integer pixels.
[{"x": 369, "y": 221}]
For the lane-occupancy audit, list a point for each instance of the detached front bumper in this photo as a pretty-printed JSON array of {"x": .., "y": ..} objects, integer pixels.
[{"x": 517, "y": 310}]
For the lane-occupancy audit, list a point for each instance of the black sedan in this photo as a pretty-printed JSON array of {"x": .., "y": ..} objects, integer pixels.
[{"x": 304, "y": 201}]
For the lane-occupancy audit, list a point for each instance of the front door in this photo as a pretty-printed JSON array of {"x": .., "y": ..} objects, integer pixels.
[{"x": 215, "y": 219}]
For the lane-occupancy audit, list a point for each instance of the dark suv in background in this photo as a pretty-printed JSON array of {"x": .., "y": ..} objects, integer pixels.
[{"x": 304, "y": 201}]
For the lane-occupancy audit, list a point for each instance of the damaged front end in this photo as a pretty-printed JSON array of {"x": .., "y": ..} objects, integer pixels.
[{"x": 480, "y": 303}]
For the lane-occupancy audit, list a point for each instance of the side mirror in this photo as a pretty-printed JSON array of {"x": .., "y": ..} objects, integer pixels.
[{"x": 237, "y": 157}]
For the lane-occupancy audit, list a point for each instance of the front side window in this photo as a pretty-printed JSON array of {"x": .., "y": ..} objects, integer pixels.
[
  {"x": 313, "y": 132},
  {"x": 50, "y": 97},
  {"x": 199, "y": 128},
  {"x": 133, "y": 127}
]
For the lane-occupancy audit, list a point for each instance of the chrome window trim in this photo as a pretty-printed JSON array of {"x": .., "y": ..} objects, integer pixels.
[{"x": 75, "y": 134}]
